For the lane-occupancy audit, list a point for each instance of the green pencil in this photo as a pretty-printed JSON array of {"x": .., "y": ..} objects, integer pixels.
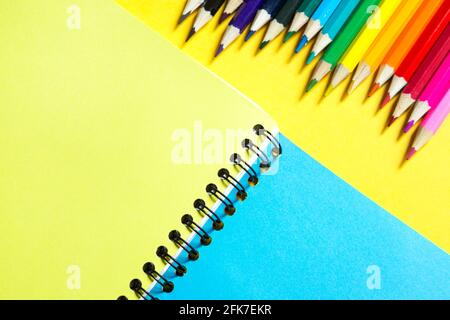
[
  {"x": 343, "y": 41},
  {"x": 281, "y": 21},
  {"x": 304, "y": 12}
]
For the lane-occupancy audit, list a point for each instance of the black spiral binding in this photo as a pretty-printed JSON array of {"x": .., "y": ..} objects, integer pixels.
[{"x": 229, "y": 209}]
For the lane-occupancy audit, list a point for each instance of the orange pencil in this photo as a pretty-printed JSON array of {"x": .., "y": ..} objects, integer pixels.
[
  {"x": 405, "y": 42},
  {"x": 385, "y": 40}
]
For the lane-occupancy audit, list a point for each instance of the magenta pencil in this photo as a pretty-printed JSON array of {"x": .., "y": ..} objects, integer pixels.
[
  {"x": 430, "y": 125},
  {"x": 432, "y": 95},
  {"x": 422, "y": 75}
]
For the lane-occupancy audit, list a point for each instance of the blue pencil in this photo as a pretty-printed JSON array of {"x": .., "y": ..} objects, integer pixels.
[
  {"x": 318, "y": 20},
  {"x": 333, "y": 26},
  {"x": 269, "y": 10}
]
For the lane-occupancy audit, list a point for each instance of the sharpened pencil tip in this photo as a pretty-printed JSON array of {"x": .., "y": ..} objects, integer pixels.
[
  {"x": 191, "y": 33},
  {"x": 411, "y": 153},
  {"x": 219, "y": 51},
  {"x": 385, "y": 101},
  {"x": 249, "y": 35},
  {"x": 408, "y": 126},
  {"x": 263, "y": 44},
  {"x": 352, "y": 87},
  {"x": 311, "y": 85},
  {"x": 182, "y": 18},
  {"x": 301, "y": 44},
  {"x": 311, "y": 57},
  {"x": 328, "y": 91},
  {"x": 373, "y": 89},
  {"x": 288, "y": 36},
  {"x": 391, "y": 121},
  {"x": 223, "y": 17}
]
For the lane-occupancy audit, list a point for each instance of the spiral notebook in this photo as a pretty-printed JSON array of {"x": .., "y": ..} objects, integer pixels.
[{"x": 101, "y": 197}]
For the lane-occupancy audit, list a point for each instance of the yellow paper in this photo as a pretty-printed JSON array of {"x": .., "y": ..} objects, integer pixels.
[
  {"x": 346, "y": 135},
  {"x": 92, "y": 108}
]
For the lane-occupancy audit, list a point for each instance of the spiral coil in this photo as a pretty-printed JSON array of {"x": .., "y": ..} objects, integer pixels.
[{"x": 200, "y": 206}]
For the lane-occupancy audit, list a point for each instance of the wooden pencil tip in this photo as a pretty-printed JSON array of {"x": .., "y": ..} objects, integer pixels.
[
  {"x": 182, "y": 18},
  {"x": 373, "y": 89},
  {"x": 408, "y": 126},
  {"x": 288, "y": 36},
  {"x": 385, "y": 101},
  {"x": 249, "y": 35},
  {"x": 219, "y": 51},
  {"x": 311, "y": 85},
  {"x": 263, "y": 44},
  {"x": 301, "y": 44},
  {"x": 191, "y": 33},
  {"x": 328, "y": 91},
  {"x": 391, "y": 121},
  {"x": 223, "y": 17},
  {"x": 311, "y": 57},
  {"x": 411, "y": 153}
]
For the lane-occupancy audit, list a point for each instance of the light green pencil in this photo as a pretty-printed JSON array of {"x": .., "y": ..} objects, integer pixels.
[{"x": 344, "y": 40}]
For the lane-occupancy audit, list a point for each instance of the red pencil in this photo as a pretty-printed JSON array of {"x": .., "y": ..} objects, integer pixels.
[
  {"x": 423, "y": 74},
  {"x": 419, "y": 51}
]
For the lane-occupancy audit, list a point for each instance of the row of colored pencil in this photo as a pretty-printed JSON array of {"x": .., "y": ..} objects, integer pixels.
[{"x": 406, "y": 41}]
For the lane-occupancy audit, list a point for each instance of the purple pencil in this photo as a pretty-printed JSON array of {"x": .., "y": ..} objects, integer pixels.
[{"x": 240, "y": 21}]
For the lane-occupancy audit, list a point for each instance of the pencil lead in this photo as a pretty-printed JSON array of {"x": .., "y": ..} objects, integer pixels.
[
  {"x": 328, "y": 91},
  {"x": 411, "y": 153},
  {"x": 263, "y": 44},
  {"x": 408, "y": 126},
  {"x": 391, "y": 121},
  {"x": 301, "y": 44},
  {"x": 311, "y": 85},
  {"x": 219, "y": 50},
  {"x": 288, "y": 36},
  {"x": 249, "y": 35},
  {"x": 191, "y": 33},
  {"x": 182, "y": 18},
  {"x": 352, "y": 87},
  {"x": 223, "y": 17},
  {"x": 311, "y": 57},
  {"x": 386, "y": 100},
  {"x": 373, "y": 89}
]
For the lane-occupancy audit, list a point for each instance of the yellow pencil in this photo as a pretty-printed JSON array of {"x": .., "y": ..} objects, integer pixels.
[
  {"x": 385, "y": 40},
  {"x": 356, "y": 52}
]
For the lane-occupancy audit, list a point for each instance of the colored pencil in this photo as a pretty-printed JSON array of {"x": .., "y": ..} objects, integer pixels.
[
  {"x": 269, "y": 10},
  {"x": 230, "y": 8},
  {"x": 317, "y": 21},
  {"x": 432, "y": 95},
  {"x": 406, "y": 41},
  {"x": 423, "y": 75},
  {"x": 385, "y": 40},
  {"x": 205, "y": 14},
  {"x": 332, "y": 27},
  {"x": 301, "y": 17},
  {"x": 189, "y": 8},
  {"x": 343, "y": 41},
  {"x": 418, "y": 52},
  {"x": 430, "y": 125},
  {"x": 281, "y": 21},
  {"x": 240, "y": 21},
  {"x": 359, "y": 48}
]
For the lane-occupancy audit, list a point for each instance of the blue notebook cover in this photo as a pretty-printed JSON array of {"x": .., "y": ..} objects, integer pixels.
[{"x": 303, "y": 233}]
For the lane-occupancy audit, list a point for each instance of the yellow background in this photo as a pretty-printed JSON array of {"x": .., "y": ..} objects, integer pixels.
[
  {"x": 86, "y": 124},
  {"x": 346, "y": 135}
]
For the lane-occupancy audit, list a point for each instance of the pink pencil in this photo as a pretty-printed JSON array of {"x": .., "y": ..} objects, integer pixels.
[
  {"x": 422, "y": 75},
  {"x": 430, "y": 125},
  {"x": 432, "y": 95}
]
